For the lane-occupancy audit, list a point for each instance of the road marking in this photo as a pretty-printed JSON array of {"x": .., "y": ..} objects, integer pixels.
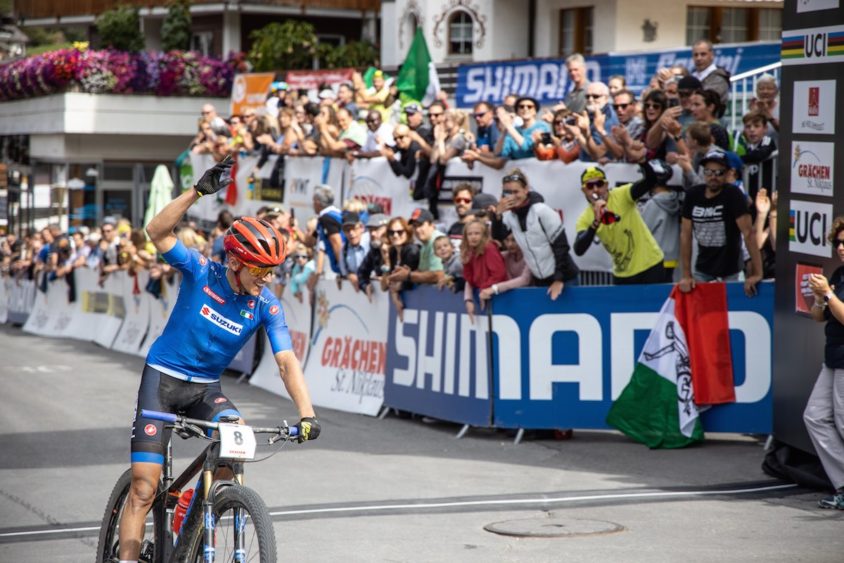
[{"x": 456, "y": 504}]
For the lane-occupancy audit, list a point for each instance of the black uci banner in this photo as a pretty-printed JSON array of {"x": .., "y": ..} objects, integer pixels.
[{"x": 811, "y": 82}]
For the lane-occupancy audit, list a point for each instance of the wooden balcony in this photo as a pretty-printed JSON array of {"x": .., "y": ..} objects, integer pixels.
[{"x": 37, "y": 9}]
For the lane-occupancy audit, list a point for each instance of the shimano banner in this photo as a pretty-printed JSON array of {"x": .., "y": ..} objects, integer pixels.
[{"x": 547, "y": 79}]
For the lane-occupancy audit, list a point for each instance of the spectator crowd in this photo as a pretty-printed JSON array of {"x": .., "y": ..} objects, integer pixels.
[{"x": 495, "y": 245}]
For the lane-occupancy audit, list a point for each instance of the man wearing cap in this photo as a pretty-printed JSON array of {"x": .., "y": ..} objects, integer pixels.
[
  {"x": 430, "y": 268},
  {"x": 327, "y": 97},
  {"x": 375, "y": 96},
  {"x": 614, "y": 218},
  {"x": 687, "y": 86},
  {"x": 374, "y": 259},
  {"x": 487, "y": 133},
  {"x": 402, "y": 156},
  {"x": 356, "y": 246},
  {"x": 717, "y": 213}
]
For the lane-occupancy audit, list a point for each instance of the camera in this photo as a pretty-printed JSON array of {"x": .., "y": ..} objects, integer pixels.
[
  {"x": 571, "y": 120},
  {"x": 673, "y": 102},
  {"x": 546, "y": 138}
]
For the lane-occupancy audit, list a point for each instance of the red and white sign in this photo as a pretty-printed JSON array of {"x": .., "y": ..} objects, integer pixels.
[
  {"x": 803, "y": 296},
  {"x": 150, "y": 430},
  {"x": 814, "y": 107},
  {"x": 314, "y": 79}
]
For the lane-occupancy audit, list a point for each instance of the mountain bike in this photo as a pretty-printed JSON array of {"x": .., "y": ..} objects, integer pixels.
[{"x": 225, "y": 521}]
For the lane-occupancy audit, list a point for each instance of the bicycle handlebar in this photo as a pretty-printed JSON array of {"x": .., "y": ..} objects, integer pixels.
[{"x": 285, "y": 431}]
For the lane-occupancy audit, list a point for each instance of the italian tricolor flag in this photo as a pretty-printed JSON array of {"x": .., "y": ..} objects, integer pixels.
[{"x": 686, "y": 362}]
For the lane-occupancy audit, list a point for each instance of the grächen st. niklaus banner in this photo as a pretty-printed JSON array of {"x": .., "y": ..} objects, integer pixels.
[{"x": 688, "y": 349}]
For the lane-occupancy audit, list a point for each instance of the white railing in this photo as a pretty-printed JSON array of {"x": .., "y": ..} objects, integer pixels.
[{"x": 740, "y": 94}]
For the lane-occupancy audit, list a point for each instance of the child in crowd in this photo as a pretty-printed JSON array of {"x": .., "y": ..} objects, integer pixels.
[
  {"x": 483, "y": 265},
  {"x": 754, "y": 146},
  {"x": 518, "y": 273},
  {"x": 303, "y": 267},
  {"x": 452, "y": 264}
]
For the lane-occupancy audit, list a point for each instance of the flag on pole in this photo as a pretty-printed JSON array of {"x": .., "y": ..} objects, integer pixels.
[
  {"x": 418, "y": 78},
  {"x": 658, "y": 407}
]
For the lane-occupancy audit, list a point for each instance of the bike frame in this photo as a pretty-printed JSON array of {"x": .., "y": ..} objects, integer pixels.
[{"x": 208, "y": 462}]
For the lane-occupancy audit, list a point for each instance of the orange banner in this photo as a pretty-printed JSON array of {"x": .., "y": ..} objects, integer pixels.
[{"x": 250, "y": 91}]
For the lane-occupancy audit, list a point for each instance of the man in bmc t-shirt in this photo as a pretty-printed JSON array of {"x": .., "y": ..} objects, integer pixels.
[{"x": 718, "y": 215}]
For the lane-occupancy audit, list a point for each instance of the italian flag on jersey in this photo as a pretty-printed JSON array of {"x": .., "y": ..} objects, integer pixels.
[{"x": 685, "y": 362}]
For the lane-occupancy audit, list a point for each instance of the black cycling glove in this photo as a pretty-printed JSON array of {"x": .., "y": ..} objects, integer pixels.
[
  {"x": 308, "y": 429},
  {"x": 656, "y": 172},
  {"x": 212, "y": 181}
]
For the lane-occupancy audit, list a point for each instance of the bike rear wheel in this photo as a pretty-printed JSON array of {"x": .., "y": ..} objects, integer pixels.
[
  {"x": 259, "y": 536},
  {"x": 108, "y": 544}
]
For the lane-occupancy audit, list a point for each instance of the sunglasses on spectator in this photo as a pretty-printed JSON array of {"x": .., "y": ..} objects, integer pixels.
[
  {"x": 838, "y": 242},
  {"x": 259, "y": 271},
  {"x": 399, "y": 137},
  {"x": 204, "y": 112},
  {"x": 621, "y": 106},
  {"x": 463, "y": 200},
  {"x": 514, "y": 178},
  {"x": 595, "y": 184},
  {"x": 525, "y": 106},
  {"x": 300, "y": 256},
  {"x": 650, "y": 105},
  {"x": 714, "y": 172},
  {"x": 559, "y": 122},
  {"x": 684, "y": 93},
  {"x": 594, "y": 96},
  {"x": 432, "y": 115},
  {"x": 396, "y": 233},
  {"x": 480, "y": 114}
]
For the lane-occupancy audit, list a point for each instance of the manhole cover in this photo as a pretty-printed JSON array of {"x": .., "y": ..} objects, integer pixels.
[{"x": 552, "y": 527}]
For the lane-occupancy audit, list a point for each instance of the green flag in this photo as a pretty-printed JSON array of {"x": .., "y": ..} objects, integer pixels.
[{"x": 418, "y": 77}]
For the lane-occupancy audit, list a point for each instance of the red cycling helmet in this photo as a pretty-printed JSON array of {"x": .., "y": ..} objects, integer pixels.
[{"x": 255, "y": 242}]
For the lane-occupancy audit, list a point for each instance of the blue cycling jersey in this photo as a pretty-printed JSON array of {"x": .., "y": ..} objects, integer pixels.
[{"x": 210, "y": 322}]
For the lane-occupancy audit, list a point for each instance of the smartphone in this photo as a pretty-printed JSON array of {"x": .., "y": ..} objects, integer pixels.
[
  {"x": 546, "y": 138},
  {"x": 673, "y": 102},
  {"x": 571, "y": 120}
]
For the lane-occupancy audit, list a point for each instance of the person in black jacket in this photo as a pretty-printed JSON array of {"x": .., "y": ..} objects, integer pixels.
[
  {"x": 402, "y": 159},
  {"x": 374, "y": 259}
]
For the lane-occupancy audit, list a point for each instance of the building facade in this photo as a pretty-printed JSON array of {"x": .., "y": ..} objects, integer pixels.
[{"x": 460, "y": 31}]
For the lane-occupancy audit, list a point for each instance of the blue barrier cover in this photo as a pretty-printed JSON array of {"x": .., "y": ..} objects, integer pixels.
[
  {"x": 547, "y": 80},
  {"x": 560, "y": 364},
  {"x": 438, "y": 362}
]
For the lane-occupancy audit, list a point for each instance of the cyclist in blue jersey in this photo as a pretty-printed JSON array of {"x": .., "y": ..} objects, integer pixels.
[{"x": 218, "y": 309}]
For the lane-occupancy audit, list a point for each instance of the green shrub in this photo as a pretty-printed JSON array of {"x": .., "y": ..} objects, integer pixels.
[{"x": 120, "y": 28}]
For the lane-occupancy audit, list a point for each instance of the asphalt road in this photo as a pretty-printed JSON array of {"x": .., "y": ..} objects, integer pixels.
[{"x": 395, "y": 489}]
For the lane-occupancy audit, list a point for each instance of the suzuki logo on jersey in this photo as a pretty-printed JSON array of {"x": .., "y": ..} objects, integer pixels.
[
  {"x": 213, "y": 295},
  {"x": 220, "y": 320}
]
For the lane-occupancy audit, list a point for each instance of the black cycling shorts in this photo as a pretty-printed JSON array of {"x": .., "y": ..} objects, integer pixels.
[{"x": 160, "y": 392}]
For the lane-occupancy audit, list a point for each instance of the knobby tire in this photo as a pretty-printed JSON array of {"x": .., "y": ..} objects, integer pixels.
[
  {"x": 259, "y": 527},
  {"x": 107, "y": 545}
]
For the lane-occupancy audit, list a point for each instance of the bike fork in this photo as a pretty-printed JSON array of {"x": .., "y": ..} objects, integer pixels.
[
  {"x": 240, "y": 540},
  {"x": 209, "y": 549}
]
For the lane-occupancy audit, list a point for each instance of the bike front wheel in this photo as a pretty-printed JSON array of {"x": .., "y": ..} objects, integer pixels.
[
  {"x": 109, "y": 544},
  {"x": 235, "y": 508}
]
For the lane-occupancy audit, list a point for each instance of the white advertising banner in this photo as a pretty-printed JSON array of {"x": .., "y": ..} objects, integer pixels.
[
  {"x": 813, "y": 168},
  {"x": 346, "y": 367},
  {"x": 137, "y": 309},
  {"x": 111, "y": 308},
  {"x": 303, "y": 174},
  {"x": 373, "y": 181},
  {"x": 159, "y": 311},
  {"x": 298, "y": 317},
  {"x": 810, "y": 222},
  {"x": 814, "y": 107},
  {"x": 5, "y": 297}
]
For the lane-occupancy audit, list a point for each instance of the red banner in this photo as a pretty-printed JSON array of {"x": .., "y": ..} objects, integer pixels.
[{"x": 313, "y": 79}]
